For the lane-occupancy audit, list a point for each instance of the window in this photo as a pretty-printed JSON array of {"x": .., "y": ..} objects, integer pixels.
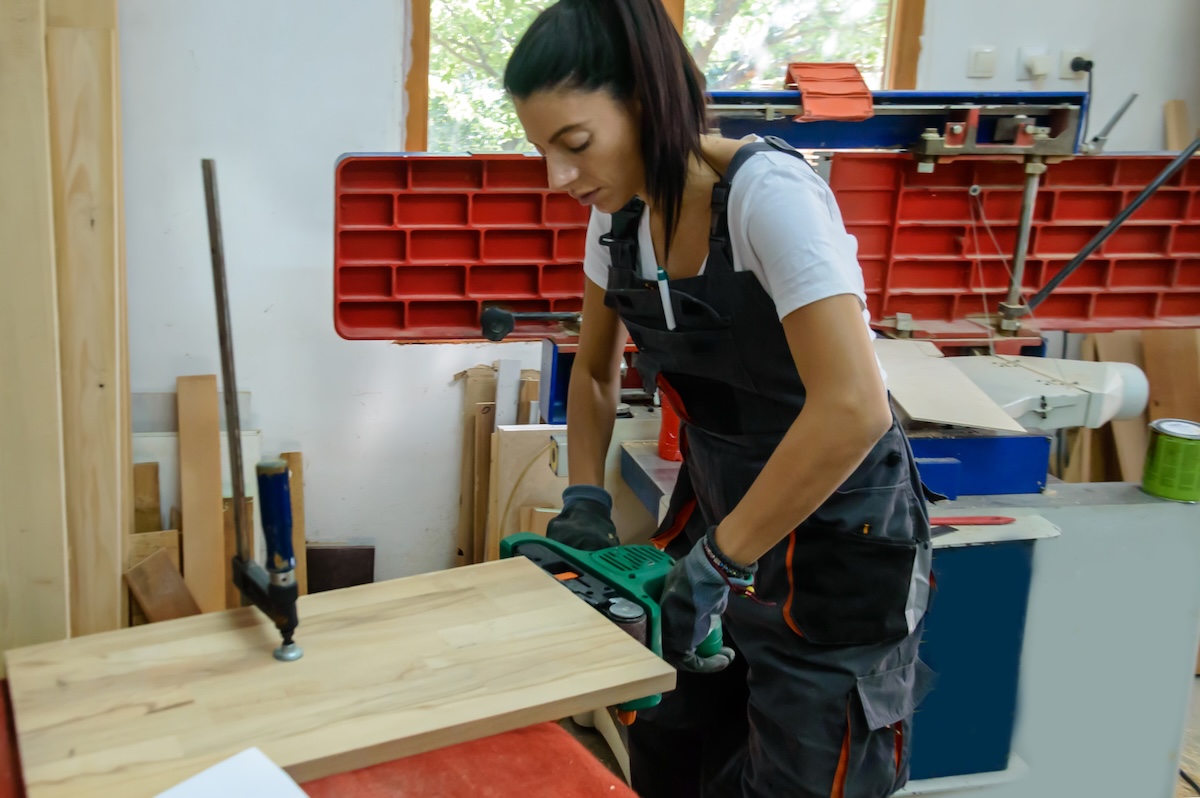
[
  {"x": 738, "y": 44},
  {"x": 747, "y": 44}
]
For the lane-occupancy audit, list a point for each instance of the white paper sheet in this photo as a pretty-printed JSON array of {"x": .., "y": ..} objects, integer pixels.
[{"x": 249, "y": 774}]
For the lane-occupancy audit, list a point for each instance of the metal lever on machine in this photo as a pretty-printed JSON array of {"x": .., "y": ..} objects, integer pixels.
[
  {"x": 1012, "y": 310},
  {"x": 1096, "y": 145},
  {"x": 497, "y": 323}
]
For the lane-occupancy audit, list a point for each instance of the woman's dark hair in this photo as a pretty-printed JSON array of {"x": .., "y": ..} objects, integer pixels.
[{"x": 631, "y": 49}]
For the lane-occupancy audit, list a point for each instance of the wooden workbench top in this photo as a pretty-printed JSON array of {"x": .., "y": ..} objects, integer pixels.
[{"x": 390, "y": 669}]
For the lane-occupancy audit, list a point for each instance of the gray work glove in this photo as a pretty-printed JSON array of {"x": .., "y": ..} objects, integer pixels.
[
  {"x": 586, "y": 519},
  {"x": 697, "y": 591}
]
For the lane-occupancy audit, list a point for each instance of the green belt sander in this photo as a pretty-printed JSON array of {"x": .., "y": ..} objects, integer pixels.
[{"x": 624, "y": 584}]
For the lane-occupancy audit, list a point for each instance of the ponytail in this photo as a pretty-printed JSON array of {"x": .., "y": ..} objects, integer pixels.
[{"x": 631, "y": 49}]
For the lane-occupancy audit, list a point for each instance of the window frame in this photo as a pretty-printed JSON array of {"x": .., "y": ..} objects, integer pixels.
[{"x": 906, "y": 22}]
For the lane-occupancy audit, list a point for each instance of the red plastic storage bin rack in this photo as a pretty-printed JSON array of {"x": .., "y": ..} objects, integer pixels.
[
  {"x": 425, "y": 242},
  {"x": 925, "y": 248}
]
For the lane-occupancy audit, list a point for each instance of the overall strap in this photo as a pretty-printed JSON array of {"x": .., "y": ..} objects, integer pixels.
[
  {"x": 720, "y": 250},
  {"x": 622, "y": 240}
]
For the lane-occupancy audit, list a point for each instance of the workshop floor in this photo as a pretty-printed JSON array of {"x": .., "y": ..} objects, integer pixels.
[{"x": 1190, "y": 760}]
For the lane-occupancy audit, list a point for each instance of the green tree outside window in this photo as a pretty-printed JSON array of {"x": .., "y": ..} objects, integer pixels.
[{"x": 738, "y": 44}]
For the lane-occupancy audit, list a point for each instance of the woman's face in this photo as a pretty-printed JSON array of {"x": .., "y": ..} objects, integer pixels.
[{"x": 590, "y": 142}]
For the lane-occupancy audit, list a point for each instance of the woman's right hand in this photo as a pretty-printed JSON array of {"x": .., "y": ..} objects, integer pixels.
[{"x": 585, "y": 522}]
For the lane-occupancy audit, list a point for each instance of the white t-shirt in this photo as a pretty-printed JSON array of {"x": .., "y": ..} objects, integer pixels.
[{"x": 784, "y": 226}]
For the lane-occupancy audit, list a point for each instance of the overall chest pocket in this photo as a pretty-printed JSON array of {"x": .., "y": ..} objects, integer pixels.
[{"x": 701, "y": 345}]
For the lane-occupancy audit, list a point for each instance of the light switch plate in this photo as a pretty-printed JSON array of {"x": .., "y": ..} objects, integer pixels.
[{"x": 981, "y": 62}]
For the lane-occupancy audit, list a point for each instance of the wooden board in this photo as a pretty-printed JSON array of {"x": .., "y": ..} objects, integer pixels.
[
  {"x": 163, "y": 448},
  {"x": 80, "y": 67},
  {"x": 200, "y": 490},
  {"x": 527, "y": 399},
  {"x": 147, "y": 510},
  {"x": 295, "y": 461},
  {"x": 159, "y": 589},
  {"x": 479, "y": 385},
  {"x": 34, "y": 604},
  {"x": 1176, "y": 125},
  {"x": 485, "y": 426},
  {"x": 1129, "y": 435},
  {"x": 143, "y": 544},
  {"x": 1173, "y": 370},
  {"x": 389, "y": 670},
  {"x": 233, "y": 597},
  {"x": 521, "y": 475},
  {"x": 932, "y": 389},
  {"x": 139, "y": 547}
]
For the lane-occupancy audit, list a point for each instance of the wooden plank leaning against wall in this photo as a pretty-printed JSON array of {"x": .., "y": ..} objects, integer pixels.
[
  {"x": 66, "y": 481},
  {"x": 34, "y": 606},
  {"x": 83, "y": 112}
]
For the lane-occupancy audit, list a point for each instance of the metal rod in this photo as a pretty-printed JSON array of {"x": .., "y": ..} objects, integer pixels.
[
  {"x": 1103, "y": 235},
  {"x": 1103, "y": 134},
  {"x": 1028, "y": 203},
  {"x": 224, "y": 331}
]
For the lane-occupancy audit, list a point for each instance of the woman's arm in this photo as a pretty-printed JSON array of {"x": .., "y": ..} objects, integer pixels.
[
  {"x": 595, "y": 388},
  {"x": 846, "y": 412}
]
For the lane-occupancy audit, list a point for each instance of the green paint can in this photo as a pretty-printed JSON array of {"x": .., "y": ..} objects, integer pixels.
[{"x": 1172, "y": 468}]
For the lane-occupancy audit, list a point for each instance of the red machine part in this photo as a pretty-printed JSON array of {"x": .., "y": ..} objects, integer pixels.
[
  {"x": 425, "y": 242},
  {"x": 925, "y": 248}
]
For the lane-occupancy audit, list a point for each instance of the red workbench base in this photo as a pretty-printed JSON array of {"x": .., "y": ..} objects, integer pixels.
[{"x": 537, "y": 762}]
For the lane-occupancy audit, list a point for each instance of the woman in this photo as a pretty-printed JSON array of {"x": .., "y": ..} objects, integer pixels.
[{"x": 798, "y": 493}]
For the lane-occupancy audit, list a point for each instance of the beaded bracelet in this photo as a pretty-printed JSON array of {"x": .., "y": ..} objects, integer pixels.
[{"x": 723, "y": 563}]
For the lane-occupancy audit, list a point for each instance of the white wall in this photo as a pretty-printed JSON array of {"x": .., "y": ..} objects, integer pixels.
[
  {"x": 1143, "y": 46},
  {"x": 275, "y": 91}
]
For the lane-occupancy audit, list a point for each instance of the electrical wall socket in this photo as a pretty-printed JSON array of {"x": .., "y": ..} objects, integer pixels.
[
  {"x": 1064, "y": 64},
  {"x": 1031, "y": 61}
]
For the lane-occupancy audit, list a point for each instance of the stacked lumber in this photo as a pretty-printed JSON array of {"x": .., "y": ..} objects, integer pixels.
[
  {"x": 498, "y": 395},
  {"x": 187, "y": 564},
  {"x": 66, "y": 477}
]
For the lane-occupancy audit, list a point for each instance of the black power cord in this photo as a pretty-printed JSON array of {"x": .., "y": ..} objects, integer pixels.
[
  {"x": 1190, "y": 781},
  {"x": 1081, "y": 64}
]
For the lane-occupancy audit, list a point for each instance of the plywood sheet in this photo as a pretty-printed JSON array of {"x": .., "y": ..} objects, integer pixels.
[
  {"x": 34, "y": 606},
  {"x": 200, "y": 490},
  {"x": 930, "y": 388},
  {"x": 389, "y": 669},
  {"x": 1173, "y": 370},
  {"x": 521, "y": 475}
]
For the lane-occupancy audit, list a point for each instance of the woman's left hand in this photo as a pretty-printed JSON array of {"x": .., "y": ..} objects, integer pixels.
[{"x": 697, "y": 591}]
